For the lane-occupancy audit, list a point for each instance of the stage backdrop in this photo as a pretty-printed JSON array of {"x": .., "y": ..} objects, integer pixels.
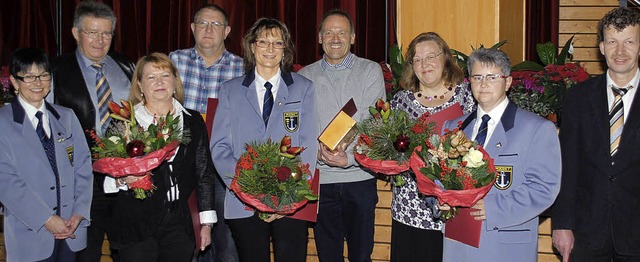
[{"x": 146, "y": 26}]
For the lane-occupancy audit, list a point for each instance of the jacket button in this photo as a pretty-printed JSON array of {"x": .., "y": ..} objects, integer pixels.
[
  {"x": 613, "y": 163},
  {"x": 52, "y": 188},
  {"x": 55, "y": 208},
  {"x": 612, "y": 178}
]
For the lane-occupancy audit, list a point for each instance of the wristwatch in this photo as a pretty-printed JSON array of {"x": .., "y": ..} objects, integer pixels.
[{"x": 207, "y": 224}]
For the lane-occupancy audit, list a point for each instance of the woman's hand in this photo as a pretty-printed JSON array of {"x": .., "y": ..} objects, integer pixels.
[
  {"x": 273, "y": 217},
  {"x": 205, "y": 236}
]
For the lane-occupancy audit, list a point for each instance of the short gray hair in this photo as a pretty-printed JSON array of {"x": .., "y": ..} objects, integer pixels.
[
  {"x": 490, "y": 57},
  {"x": 93, "y": 9}
]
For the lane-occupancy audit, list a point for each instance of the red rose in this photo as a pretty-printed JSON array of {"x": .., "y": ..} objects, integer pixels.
[{"x": 283, "y": 173}]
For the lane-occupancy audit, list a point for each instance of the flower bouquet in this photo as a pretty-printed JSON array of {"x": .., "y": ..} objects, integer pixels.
[
  {"x": 271, "y": 178},
  {"x": 541, "y": 88},
  {"x": 128, "y": 149},
  {"x": 454, "y": 169},
  {"x": 5, "y": 86},
  {"x": 387, "y": 139}
]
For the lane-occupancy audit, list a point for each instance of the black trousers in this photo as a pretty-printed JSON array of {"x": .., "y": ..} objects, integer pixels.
[
  {"x": 170, "y": 243},
  {"x": 607, "y": 253},
  {"x": 100, "y": 213},
  {"x": 412, "y": 244},
  {"x": 252, "y": 237}
]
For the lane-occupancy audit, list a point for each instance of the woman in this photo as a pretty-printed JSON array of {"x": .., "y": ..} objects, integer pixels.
[
  {"x": 159, "y": 228},
  {"x": 45, "y": 168},
  {"x": 432, "y": 82},
  {"x": 244, "y": 115}
]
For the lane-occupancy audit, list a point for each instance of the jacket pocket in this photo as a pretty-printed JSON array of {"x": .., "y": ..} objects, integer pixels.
[{"x": 515, "y": 236}]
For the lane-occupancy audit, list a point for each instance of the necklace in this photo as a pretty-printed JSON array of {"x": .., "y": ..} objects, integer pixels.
[{"x": 419, "y": 94}]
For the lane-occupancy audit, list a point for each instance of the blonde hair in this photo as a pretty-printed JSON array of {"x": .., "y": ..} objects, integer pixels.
[{"x": 158, "y": 60}]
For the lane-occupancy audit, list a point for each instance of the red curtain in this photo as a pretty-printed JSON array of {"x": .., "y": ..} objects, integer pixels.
[
  {"x": 146, "y": 26},
  {"x": 542, "y": 25}
]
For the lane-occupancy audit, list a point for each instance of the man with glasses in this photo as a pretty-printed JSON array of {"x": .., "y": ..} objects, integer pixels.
[
  {"x": 526, "y": 153},
  {"x": 85, "y": 81},
  {"x": 348, "y": 193},
  {"x": 203, "y": 68}
]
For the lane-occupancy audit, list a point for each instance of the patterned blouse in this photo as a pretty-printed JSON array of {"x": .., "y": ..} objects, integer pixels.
[{"x": 408, "y": 206}]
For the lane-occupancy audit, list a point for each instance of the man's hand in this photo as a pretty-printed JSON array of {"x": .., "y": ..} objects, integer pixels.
[
  {"x": 480, "y": 214},
  {"x": 72, "y": 224},
  {"x": 338, "y": 158},
  {"x": 563, "y": 241},
  {"x": 205, "y": 237}
]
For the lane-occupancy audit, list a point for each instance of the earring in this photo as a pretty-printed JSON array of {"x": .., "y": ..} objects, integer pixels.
[{"x": 141, "y": 94}]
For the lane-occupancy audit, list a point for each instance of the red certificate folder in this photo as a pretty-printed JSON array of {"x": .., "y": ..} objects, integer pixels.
[
  {"x": 448, "y": 113},
  {"x": 464, "y": 228},
  {"x": 310, "y": 211}
]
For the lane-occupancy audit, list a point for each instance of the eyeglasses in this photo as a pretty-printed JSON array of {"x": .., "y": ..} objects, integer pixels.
[
  {"x": 489, "y": 78},
  {"x": 266, "y": 44},
  {"x": 205, "y": 24},
  {"x": 95, "y": 35},
  {"x": 31, "y": 79},
  {"x": 428, "y": 58}
]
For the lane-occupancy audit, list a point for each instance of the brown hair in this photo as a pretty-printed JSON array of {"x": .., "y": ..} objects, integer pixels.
[
  {"x": 158, "y": 60},
  {"x": 451, "y": 73},
  {"x": 269, "y": 26}
]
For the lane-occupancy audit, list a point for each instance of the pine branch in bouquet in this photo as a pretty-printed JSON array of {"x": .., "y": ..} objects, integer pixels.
[{"x": 272, "y": 172}]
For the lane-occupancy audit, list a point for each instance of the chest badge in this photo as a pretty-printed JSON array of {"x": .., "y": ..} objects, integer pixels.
[
  {"x": 505, "y": 177},
  {"x": 291, "y": 121}
]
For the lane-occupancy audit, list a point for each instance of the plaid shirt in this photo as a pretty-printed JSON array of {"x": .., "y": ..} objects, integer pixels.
[{"x": 201, "y": 82}]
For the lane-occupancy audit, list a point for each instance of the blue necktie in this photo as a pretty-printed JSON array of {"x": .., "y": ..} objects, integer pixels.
[
  {"x": 268, "y": 103},
  {"x": 49, "y": 149},
  {"x": 104, "y": 96},
  {"x": 482, "y": 132}
]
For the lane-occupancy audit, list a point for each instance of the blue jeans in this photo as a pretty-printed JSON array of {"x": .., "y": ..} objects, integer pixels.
[
  {"x": 222, "y": 248},
  {"x": 347, "y": 211}
]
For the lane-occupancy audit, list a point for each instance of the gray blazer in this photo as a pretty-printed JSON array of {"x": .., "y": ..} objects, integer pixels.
[{"x": 27, "y": 181}]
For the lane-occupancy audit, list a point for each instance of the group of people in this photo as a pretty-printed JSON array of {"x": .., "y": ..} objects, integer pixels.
[{"x": 57, "y": 204}]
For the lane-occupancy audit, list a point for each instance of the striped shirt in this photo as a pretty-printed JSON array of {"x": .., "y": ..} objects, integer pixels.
[{"x": 201, "y": 82}]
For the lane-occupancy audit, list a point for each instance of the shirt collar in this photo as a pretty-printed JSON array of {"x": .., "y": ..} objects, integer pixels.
[
  {"x": 32, "y": 110},
  {"x": 347, "y": 62},
  {"x": 145, "y": 118},
  {"x": 85, "y": 62},
  {"x": 633, "y": 82},
  {"x": 274, "y": 80},
  {"x": 495, "y": 113},
  {"x": 222, "y": 60}
]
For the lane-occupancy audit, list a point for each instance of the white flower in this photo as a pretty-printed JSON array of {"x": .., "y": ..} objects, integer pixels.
[
  {"x": 473, "y": 158},
  {"x": 114, "y": 139}
]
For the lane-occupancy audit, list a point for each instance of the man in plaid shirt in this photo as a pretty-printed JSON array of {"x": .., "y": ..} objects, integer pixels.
[{"x": 203, "y": 69}]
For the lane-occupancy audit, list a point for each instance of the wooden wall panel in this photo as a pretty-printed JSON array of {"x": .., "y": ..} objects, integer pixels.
[{"x": 464, "y": 24}]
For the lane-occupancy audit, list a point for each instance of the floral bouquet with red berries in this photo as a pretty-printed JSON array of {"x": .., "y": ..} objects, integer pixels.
[
  {"x": 271, "y": 178},
  {"x": 387, "y": 139},
  {"x": 129, "y": 149},
  {"x": 457, "y": 171}
]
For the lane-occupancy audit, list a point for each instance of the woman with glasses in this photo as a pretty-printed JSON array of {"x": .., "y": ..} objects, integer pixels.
[
  {"x": 45, "y": 168},
  {"x": 253, "y": 108},
  {"x": 159, "y": 227},
  {"x": 432, "y": 82}
]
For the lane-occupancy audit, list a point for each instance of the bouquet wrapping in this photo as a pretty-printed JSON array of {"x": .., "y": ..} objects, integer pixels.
[
  {"x": 271, "y": 178},
  {"x": 130, "y": 150}
]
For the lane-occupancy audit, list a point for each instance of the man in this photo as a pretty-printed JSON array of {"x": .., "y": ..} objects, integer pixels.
[
  {"x": 595, "y": 216},
  {"x": 84, "y": 81},
  {"x": 205, "y": 66},
  {"x": 203, "y": 69},
  {"x": 526, "y": 152},
  {"x": 348, "y": 193}
]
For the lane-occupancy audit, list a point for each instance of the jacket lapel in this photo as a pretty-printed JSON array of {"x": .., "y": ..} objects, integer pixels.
[
  {"x": 29, "y": 135},
  {"x": 251, "y": 95}
]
